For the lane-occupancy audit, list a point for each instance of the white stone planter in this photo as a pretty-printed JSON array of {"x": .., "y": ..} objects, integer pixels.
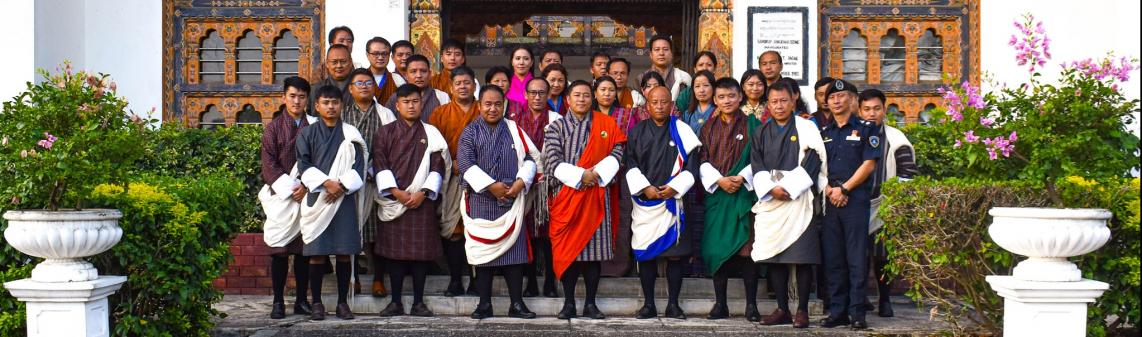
[
  {"x": 1047, "y": 237},
  {"x": 63, "y": 239}
]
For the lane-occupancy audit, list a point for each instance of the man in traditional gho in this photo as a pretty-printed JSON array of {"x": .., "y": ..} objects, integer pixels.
[
  {"x": 331, "y": 159},
  {"x": 533, "y": 121},
  {"x": 281, "y": 194},
  {"x": 451, "y": 56},
  {"x": 628, "y": 98},
  {"x": 657, "y": 159},
  {"x": 787, "y": 155},
  {"x": 725, "y": 171},
  {"x": 897, "y": 162},
  {"x": 410, "y": 159},
  {"x": 451, "y": 119},
  {"x": 854, "y": 147},
  {"x": 378, "y": 51},
  {"x": 582, "y": 152},
  {"x": 419, "y": 73},
  {"x": 367, "y": 116},
  {"x": 662, "y": 62},
  {"x": 497, "y": 163},
  {"x": 338, "y": 64},
  {"x": 402, "y": 50}
]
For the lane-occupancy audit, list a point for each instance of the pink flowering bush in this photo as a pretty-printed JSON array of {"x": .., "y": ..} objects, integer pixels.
[
  {"x": 62, "y": 137},
  {"x": 1041, "y": 132}
]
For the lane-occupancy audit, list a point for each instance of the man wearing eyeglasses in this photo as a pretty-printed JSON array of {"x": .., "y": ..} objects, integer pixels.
[
  {"x": 338, "y": 65},
  {"x": 377, "y": 50}
]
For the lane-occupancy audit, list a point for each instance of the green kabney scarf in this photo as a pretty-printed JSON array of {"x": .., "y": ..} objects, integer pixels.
[{"x": 728, "y": 217}]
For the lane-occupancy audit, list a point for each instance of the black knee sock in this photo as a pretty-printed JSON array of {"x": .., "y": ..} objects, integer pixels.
[
  {"x": 721, "y": 280},
  {"x": 548, "y": 265},
  {"x": 279, "y": 269},
  {"x": 779, "y": 279},
  {"x": 419, "y": 273},
  {"x": 883, "y": 283},
  {"x": 570, "y": 277},
  {"x": 674, "y": 280},
  {"x": 397, "y": 271},
  {"x": 646, "y": 275},
  {"x": 344, "y": 271},
  {"x": 804, "y": 279},
  {"x": 484, "y": 284},
  {"x": 592, "y": 271},
  {"x": 301, "y": 277},
  {"x": 749, "y": 278},
  {"x": 316, "y": 271},
  {"x": 513, "y": 276},
  {"x": 454, "y": 256},
  {"x": 378, "y": 268}
]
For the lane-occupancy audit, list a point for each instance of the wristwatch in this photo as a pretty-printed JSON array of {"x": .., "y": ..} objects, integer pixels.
[{"x": 844, "y": 190}]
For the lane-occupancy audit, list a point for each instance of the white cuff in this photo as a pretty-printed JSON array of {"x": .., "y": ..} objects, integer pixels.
[
  {"x": 710, "y": 176},
  {"x": 607, "y": 169},
  {"x": 352, "y": 181},
  {"x": 636, "y": 181},
  {"x": 478, "y": 179},
  {"x": 283, "y": 186},
  {"x": 747, "y": 173},
  {"x": 796, "y": 182},
  {"x": 527, "y": 174},
  {"x": 385, "y": 181},
  {"x": 763, "y": 182},
  {"x": 681, "y": 183},
  {"x": 314, "y": 179},
  {"x": 903, "y": 179},
  {"x": 569, "y": 175},
  {"x": 432, "y": 183}
]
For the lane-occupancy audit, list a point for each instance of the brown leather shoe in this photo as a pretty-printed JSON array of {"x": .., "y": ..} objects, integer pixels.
[
  {"x": 343, "y": 311},
  {"x": 318, "y": 312},
  {"x": 777, "y": 317},
  {"x": 356, "y": 285},
  {"x": 379, "y": 289},
  {"x": 801, "y": 319}
]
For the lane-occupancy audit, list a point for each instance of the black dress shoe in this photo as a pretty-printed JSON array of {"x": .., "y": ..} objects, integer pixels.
[
  {"x": 454, "y": 289},
  {"x": 648, "y": 311},
  {"x": 592, "y": 311},
  {"x": 318, "y": 312},
  {"x": 472, "y": 288},
  {"x": 343, "y": 311},
  {"x": 420, "y": 310},
  {"x": 868, "y": 305},
  {"x": 719, "y": 311},
  {"x": 568, "y": 311},
  {"x": 859, "y": 324},
  {"x": 885, "y": 309},
  {"x": 519, "y": 310},
  {"x": 832, "y": 322},
  {"x": 394, "y": 309},
  {"x": 484, "y": 310},
  {"x": 674, "y": 311},
  {"x": 751, "y": 313},
  {"x": 302, "y": 308},
  {"x": 277, "y": 311}
]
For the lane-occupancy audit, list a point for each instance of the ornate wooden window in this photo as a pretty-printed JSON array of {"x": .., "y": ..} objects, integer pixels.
[
  {"x": 224, "y": 61},
  {"x": 907, "y": 47}
]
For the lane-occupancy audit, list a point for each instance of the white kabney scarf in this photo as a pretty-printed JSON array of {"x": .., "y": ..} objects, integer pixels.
[
  {"x": 489, "y": 239},
  {"x": 896, "y": 139},
  {"x": 650, "y": 223},
  {"x": 283, "y": 214},
  {"x": 778, "y": 224},
  {"x": 315, "y": 219},
  {"x": 391, "y": 209}
]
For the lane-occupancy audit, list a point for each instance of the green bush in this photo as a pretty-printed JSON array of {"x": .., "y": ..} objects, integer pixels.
[
  {"x": 12, "y": 311},
  {"x": 936, "y": 235},
  {"x": 174, "y": 151},
  {"x": 176, "y": 238}
]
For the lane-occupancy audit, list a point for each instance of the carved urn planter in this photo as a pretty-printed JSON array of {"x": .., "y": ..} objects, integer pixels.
[
  {"x": 1047, "y": 237},
  {"x": 63, "y": 239}
]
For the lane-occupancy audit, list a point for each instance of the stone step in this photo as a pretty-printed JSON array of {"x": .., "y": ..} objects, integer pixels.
[{"x": 624, "y": 287}]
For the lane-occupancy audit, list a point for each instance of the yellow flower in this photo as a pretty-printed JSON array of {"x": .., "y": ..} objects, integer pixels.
[{"x": 1080, "y": 181}]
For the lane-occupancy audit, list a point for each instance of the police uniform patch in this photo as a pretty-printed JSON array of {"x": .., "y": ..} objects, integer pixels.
[
  {"x": 874, "y": 141},
  {"x": 839, "y": 85}
]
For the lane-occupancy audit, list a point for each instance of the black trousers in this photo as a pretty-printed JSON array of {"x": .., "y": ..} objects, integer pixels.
[{"x": 845, "y": 240}]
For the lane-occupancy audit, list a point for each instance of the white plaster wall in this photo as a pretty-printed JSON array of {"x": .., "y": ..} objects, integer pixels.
[
  {"x": 384, "y": 18},
  {"x": 17, "y": 65},
  {"x": 124, "y": 40},
  {"x": 1076, "y": 32},
  {"x": 58, "y": 34},
  {"x": 741, "y": 45}
]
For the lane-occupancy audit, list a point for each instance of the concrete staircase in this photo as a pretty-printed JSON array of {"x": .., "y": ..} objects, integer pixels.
[{"x": 618, "y": 297}]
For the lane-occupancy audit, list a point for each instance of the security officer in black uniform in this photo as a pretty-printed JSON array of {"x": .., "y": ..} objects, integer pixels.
[{"x": 853, "y": 147}]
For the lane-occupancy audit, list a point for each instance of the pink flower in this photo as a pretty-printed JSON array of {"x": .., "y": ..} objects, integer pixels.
[
  {"x": 1013, "y": 137},
  {"x": 957, "y": 144},
  {"x": 986, "y": 121},
  {"x": 970, "y": 137},
  {"x": 24, "y": 154},
  {"x": 16, "y": 200},
  {"x": 47, "y": 141}
]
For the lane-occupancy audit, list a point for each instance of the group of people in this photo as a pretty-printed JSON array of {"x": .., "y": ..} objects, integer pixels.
[{"x": 528, "y": 171}]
